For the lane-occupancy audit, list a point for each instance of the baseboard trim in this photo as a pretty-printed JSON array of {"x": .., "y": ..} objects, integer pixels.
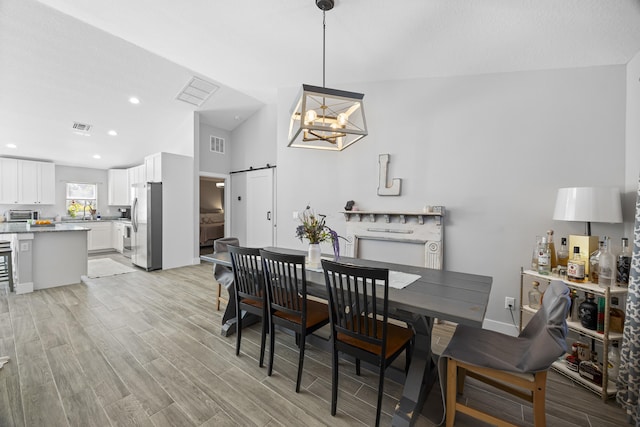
[{"x": 24, "y": 288}]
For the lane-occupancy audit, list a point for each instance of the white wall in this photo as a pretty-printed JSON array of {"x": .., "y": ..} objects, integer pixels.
[
  {"x": 493, "y": 149},
  {"x": 254, "y": 145},
  {"x": 632, "y": 164},
  {"x": 254, "y": 142},
  {"x": 210, "y": 161}
]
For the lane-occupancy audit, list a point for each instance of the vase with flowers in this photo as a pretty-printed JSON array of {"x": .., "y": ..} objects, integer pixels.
[{"x": 315, "y": 230}]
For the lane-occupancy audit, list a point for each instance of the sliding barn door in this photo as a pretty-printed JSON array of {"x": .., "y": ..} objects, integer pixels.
[{"x": 260, "y": 208}]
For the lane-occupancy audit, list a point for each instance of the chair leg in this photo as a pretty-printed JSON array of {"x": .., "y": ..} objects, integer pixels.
[
  {"x": 539, "y": 399},
  {"x": 263, "y": 340},
  {"x": 271, "y": 345},
  {"x": 218, "y": 298},
  {"x": 334, "y": 382},
  {"x": 452, "y": 371},
  {"x": 358, "y": 367},
  {"x": 300, "y": 361},
  {"x": 380, "y": 393},
  {"x": 409, "y": 352},
  {"x": 238, "y": 328}
]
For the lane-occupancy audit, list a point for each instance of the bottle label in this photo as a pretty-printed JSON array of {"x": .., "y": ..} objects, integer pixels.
[
  {"x": 575, "y": 270},
  {"x": 544, "y": 259},
  {"x": 624, "y": 265}
]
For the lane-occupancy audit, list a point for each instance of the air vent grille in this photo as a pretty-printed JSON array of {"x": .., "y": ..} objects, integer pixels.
[
  {"x": 216, "y": 144},
  {"x": 82, "y": 127},
  {"x": 196, "y": 92}
]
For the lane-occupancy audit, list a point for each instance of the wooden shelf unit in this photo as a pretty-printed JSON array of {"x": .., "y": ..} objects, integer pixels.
[{"x": 606, "y": 337}]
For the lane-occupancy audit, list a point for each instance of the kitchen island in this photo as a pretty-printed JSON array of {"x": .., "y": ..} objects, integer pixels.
[{"x": 46, "y": 256}]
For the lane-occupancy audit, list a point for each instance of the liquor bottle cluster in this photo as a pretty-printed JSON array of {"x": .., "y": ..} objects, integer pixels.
[{"x": 605, "y": 267}]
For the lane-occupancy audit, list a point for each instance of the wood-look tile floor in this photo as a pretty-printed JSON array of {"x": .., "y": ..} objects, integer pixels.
[{"x": 145, "y": 349}]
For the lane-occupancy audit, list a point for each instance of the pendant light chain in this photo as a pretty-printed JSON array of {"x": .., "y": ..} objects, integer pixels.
[{"x": 324, "y": 31}]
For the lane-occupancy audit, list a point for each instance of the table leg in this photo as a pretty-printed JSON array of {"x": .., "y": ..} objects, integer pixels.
[
  {"x": 229, "y": 316},
  {"x": 421, "y": 375}
]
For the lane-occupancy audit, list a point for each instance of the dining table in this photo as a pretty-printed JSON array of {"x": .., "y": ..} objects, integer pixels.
[{"x": 424, "y": 295}]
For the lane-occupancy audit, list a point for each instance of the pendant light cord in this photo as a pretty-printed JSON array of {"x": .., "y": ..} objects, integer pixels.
[{"x": 324, "y": 31}]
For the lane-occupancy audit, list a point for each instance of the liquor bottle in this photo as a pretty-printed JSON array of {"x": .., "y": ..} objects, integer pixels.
[
  {"x": 589, "y": 313},
  {"x": 535, "y": 296},
  {"x": 590, "y": 369},
  {"x": 594, "y": 259},
  {"x": 578, "y": 299},
  {"x": 563, "y": 252},
  {"x": 534, "y": 256},
  {"x": 606, "y": 266},
  {"x": 575, "y": 267},
  {"x": 624, "y": 264},
  {"x": 544, "y": 257},
  {"x": 613, "y": 362},
  {"x": 600, "y": 324},
  {"x": 552, "y": 249}
]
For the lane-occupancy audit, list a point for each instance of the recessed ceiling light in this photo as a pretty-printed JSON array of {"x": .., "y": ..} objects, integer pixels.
[
  {"x": 97, "y": 156},
  {"x": 134, "y": 100},
  {"x": 12, "y": 145},
  {"x": 113, "y": 133}
]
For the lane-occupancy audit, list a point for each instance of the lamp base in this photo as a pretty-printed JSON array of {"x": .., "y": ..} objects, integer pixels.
[{"x": 587, "y": 245}]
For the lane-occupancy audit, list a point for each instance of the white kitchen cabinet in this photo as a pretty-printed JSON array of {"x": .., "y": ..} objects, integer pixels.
[
  {"x": 137, "y": 174},
  {"x": 99, "y": 236},
  {"x": 118, "y": 191},
  {"x": 8, "y": 181},
  {"x": 27, "y": 182},
  {"x": 153, "y": 167},
  {"x": 117, "y": 236},
  {"x": 47, "y": 183}
]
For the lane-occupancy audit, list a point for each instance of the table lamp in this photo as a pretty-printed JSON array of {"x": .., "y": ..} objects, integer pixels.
[{"x": 588, "y": 204}]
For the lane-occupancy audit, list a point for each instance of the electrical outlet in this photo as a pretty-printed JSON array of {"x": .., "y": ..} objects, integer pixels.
[
  {"x": 509, "y": 303},
  {"x": 295, "y": 214}
]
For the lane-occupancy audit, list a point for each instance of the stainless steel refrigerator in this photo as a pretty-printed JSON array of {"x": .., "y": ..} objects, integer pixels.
[{"x": 146, "y": 225}]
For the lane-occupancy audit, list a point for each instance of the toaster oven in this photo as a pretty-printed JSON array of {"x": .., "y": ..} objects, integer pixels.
[{"x": 18, "y": 215}]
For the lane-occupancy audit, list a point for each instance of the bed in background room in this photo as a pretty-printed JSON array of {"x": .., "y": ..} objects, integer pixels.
[{"x": 211, "y": 226}]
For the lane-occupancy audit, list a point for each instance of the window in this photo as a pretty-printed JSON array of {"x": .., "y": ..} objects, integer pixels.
[{"x": 82, "y": 199}]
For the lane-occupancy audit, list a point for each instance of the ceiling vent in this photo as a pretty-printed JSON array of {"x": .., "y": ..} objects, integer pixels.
[
  {"x": 81, "y": 127},
  {"x": 197, "y": 91},
  {"x": 216, "y": 144}
]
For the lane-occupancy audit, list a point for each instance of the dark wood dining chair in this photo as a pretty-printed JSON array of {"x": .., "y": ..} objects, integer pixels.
[
  {"x": 250, "y": 295},
  {"x": 289, "y": 307},
  {"x": 359, "y": 313}
]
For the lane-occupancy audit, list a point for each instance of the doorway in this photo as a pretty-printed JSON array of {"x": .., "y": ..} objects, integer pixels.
[{"x": 213, "y": 200}]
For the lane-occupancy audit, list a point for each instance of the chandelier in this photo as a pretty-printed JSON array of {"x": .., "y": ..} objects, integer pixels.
[{"x": 323, "y": 118}]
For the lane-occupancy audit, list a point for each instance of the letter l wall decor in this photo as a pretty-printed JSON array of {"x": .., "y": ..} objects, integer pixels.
[{"x": 396, "y": 183}]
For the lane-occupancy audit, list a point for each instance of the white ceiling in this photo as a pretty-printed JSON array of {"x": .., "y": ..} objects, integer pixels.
[{"x": 67, "y": 60}]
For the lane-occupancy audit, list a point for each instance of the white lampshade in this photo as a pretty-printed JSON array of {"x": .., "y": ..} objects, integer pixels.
[{"x": 589, "y": 204}]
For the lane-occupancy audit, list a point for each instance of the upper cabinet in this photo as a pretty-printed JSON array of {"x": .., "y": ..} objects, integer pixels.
[
  {"x": 8, "y": 181},
  {"x": 153, "y": 166},
  {"x": 27, "y": 182},
  {"x": 118, "y": 193},
  {"x": 136, "y": 175}
]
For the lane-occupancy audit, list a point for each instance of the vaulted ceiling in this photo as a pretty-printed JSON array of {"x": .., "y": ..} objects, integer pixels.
[{"x": 65, "y": 61}]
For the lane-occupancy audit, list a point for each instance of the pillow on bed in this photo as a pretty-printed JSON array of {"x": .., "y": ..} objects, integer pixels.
[{"x": 211, "y": 218}]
